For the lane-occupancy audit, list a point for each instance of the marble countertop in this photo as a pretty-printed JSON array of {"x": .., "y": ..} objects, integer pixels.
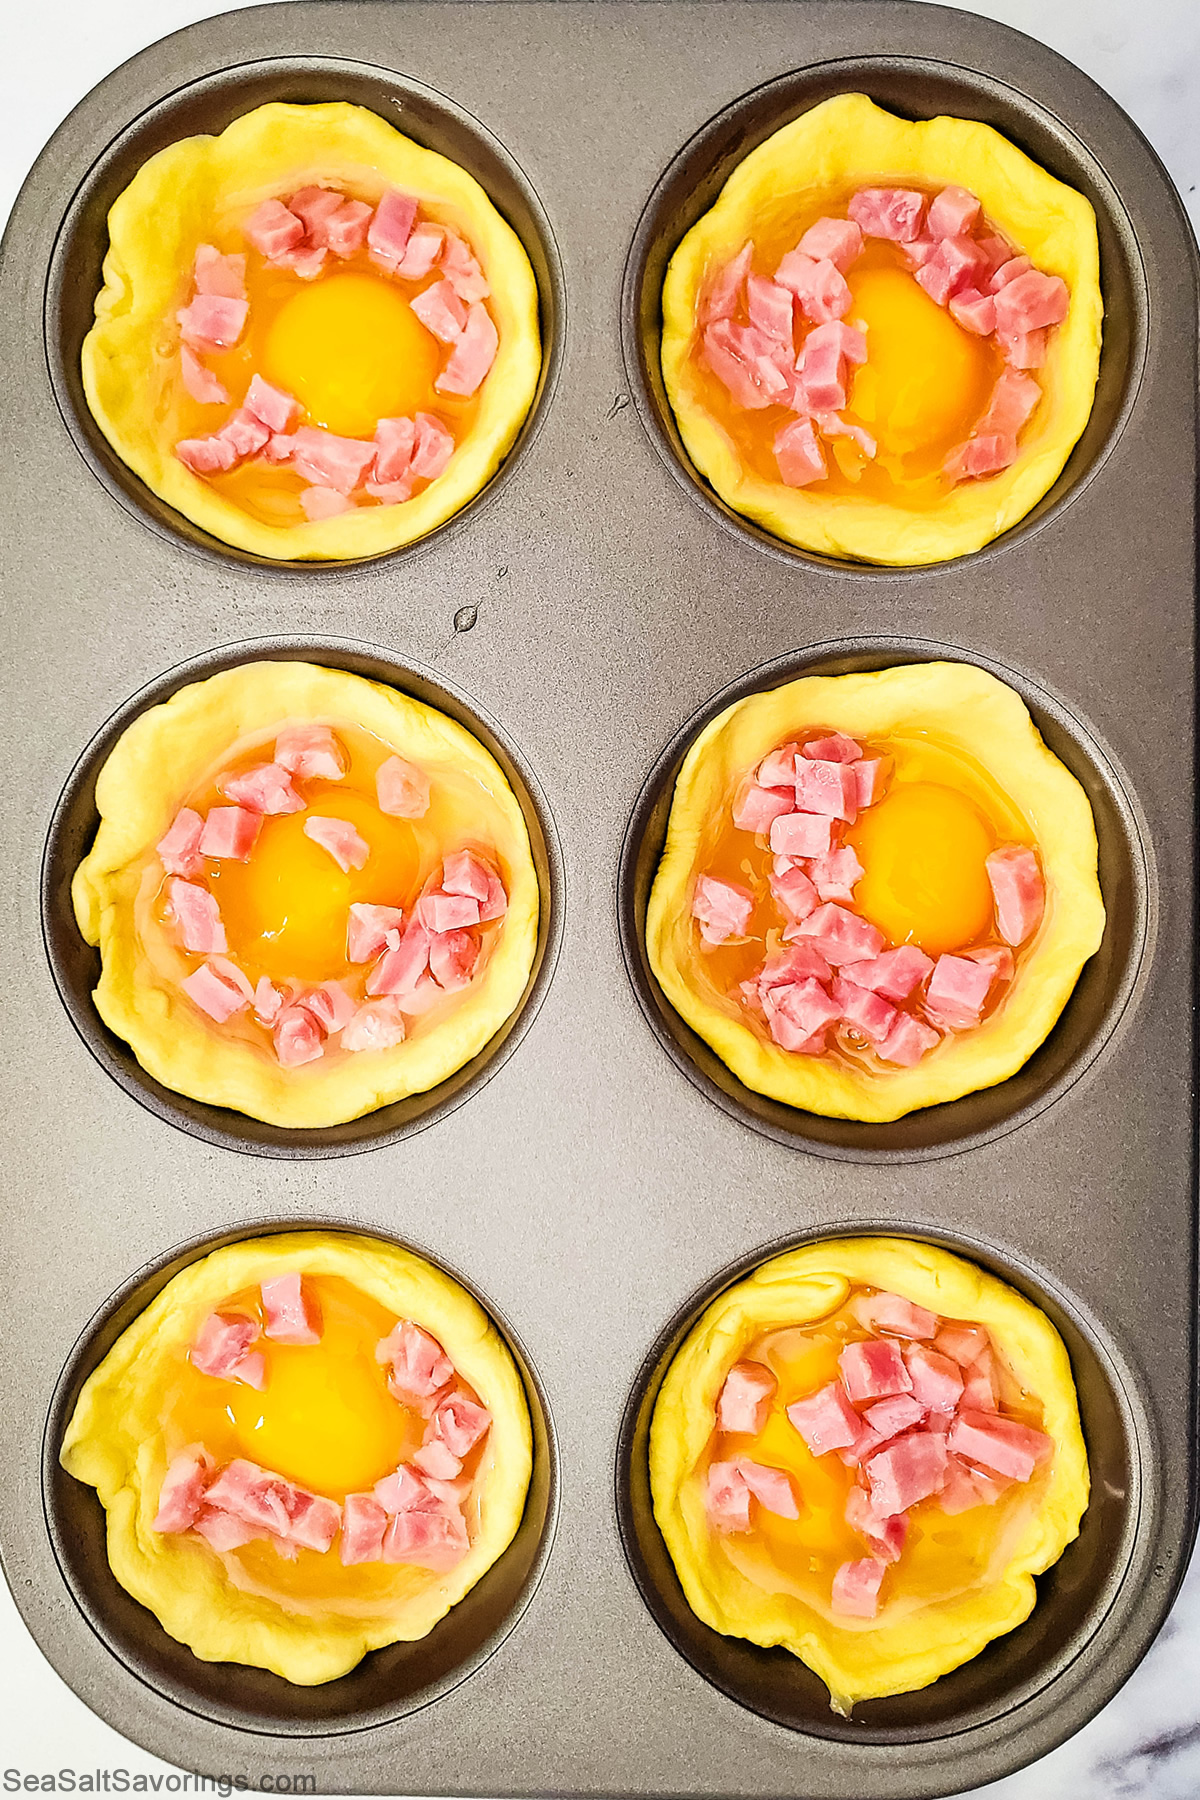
[{"x": 1145, "y": 1745}]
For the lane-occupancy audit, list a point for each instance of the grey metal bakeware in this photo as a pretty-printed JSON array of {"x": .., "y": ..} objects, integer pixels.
[{"x": 592, "y": 1190}]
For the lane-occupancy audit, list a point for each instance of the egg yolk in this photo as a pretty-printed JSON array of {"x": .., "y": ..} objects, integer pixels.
[
  {"x": 352, "y": 351},
  {"x": 285, "y": 909},
  {"x": 923, "y": 849}
]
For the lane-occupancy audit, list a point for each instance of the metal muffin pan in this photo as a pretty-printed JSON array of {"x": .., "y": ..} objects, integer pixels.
[{"x": 591, "y": 1189}]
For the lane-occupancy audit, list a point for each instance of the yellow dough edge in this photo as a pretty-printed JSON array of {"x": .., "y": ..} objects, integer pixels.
[
  {"x": 860, "y": 1660},
  {"x": 850, "y": 139},
  {"x": 168, "y": 207},
  {"x": 193, "y": 735},
  {"x": 960, "y": 705},
  {"x": 114, "y": 1443}
]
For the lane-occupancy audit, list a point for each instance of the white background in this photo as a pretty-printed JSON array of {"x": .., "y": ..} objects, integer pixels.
[{"x": 1147, "y": 54}]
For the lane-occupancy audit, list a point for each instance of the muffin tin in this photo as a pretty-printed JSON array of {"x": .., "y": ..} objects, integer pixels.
[{"x": 586, "y": 613}]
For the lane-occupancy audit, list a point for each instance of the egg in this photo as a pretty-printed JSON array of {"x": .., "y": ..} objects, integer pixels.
[
  {"x": 324, "y": 1419},
  {"x": 285, "y": 909},
  {"x": 962, "y": 1579},
  {"x": 927, "y": 379},
  {"x": 963, "y": 773},
  {"x": 343, "y": 340}
]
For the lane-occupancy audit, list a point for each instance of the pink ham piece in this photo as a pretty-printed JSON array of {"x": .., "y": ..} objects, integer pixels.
[
  {"x": 402, "y": 789},
  {"x": 867, "y": 775},
  {"x": 837, "y": 748},
  {"x": 206, "y": 456},
  {"x": 264, "y": 788},
  {"x": 345, "y": 230},
  {"x": 297, "y": 1037},
  {"x": 395, "y": 441},
  {"x": 363, "y": 1525},
  {"x": 974, "y": 311},
  {"x": 198, "y": 917},
  {"x": 391, "y": 228},
  {"x": 1022, "y": 349},
  {"x": 957, "y": 263},
  {"x": 459, "y": 1424},
  {"x": 212, "y": 321},
  {"x": 399, "y": 970},
  {"x": 268, "y": 1502},
  {"x": 745, "y": 1398},
  {"x": 996, "y": 959},
  {"x": 230, "y": 832},
  {"x": 1014, "y": 398},
  {"x": 799, "y": 1015},
  {"x": 222, "y": 1349},
  {"x": 222, "y": 1532},
  {"x": 825, "y": 1420},
  {"x": 436, "y": 1462},
  {"x": 917, "y": 251},
  {"x": 407, "y": 1490},
  {"x": 291, "y": 1316},
  {"x": 419, "y": 1365},
  {"x": 841, "y": 936},
  {"x": 891, "y": 1312},
  {"x": 798, "y": 454},
  {"x": 273, "y": 229},
  {"x": 329, "y": 1004},
  {"x": 433, "y": 449},
  {"x": 338, "y": 836},
  {"x": 962, "y": 1490},
  {"x": 1007, "y": 271},
  {"x": 907, "y": 1471},
  {"x": 896, "y": 1414},
  {"x": 217, "y": 274},
  {"x": 896, "y": 973},
  {"x": 723, "y": 910},
  {"x": 306, "y": 262},
  {"x": 246, "y": 434},
  {"x": 873, "y": 1369},
  {"x": 981, "y": 456},
  {"x": 314, "y": 1521},
  {"x": 179, "y": 849},
  {"x": 367, "y": 931},
  {"x": 822, "y": 366},
  {"x": 771, "y": 308},
  {"x": 462, "y": 270},
  {"x": 452, "y": 959},
  {"x": 270, "y": 404},
  {"x": 956, "y": 992},
  {"x": 727, "y": 1498},
  {"x": 856, "y": 1586},
  {"x": 835, "y": 874},
  {"x": 429, "y": 1540},
  {"x": 742, "y": 359},
  {"x": 818, "y": 284},
  {"x": 314, "y": 206},
  {"x": 893, "y": 213},
  {"x": 721, "y": 295},
  {"x": 215, "y": 992},
  {"x": 463, "y": 873},
  {"x": 310, "y": 753},
  {"x": 473, "y": 354},
  {"x": 182, "y": 1492},
  {"x": 831, "y": 426},
  {"x": 377, "y": 1025},
  {"x": 867, "y": 1012},
  {"x": 441, "y": 311},
  {"x": 447, "y": 912},
  {"x": 268, "y": 1001},
  {"x": 423, "y": 249},
  {"x": 794, "y": 892},
  {"x": 1000, "y": 1444},
  {"x": 981, "y": 1390},
  {"x": 838, "y": 241},
  {"x": 827, "y": 787},
  {"x": 801, "y": 834},
  {"x": 864, "y": 1446},
  {"x": 936, "y": 1380},
  {"x": 884, "y": 1537},
  {"x": 1019, "y": 892},
  {"x": 330, "y": 461},
  {"x": 1031, "y": 302},
  {"x": 200, "y": 381},
  {"x": 798, "y": 962},
  {"x": 772, "y": 1488},
  {"x": 907, "y": 1041},
  {"x": 778, "y": 770},
  {"x": 962, "y": 1343},
  {"x": 953, "y": 213}
]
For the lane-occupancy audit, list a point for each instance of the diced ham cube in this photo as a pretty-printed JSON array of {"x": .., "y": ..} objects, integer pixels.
[
  {"x": 458, "y": 1423},
  {"x": 974, "y": 311},
  {"x": 903, "y": 1473},
  {"x": 399, "y": 971},
  {"x": 434, "y": 1461},
  {"x": 836, "y": 748},
  {"x": 270, "y": 404},
  {"x": 214, "y": 993},
  {"x": 278, "y": 448},
  {"x": 197, "y": 915},
  {"x": 745, "y": 1398},
  {"x": 419, "y": 1364},
  {"x": 794, "y": 892},
  {"x": 831, "y": 426},
  {"x": 1014, "y": 398},
  {"x": 330, "y": 461},
  {"x": 772, "y": 1488},
  {"x": 981, "y": 456},
  {"x": 1008, "y": 271},
  {"x": 722, "y": 909},
  {"x": 429, "y": 1540},
  {"x": 893, "y": 213},
  {"x": 981, "y": 1390},
  {"x": 722, "y": 292},
  {"x": 802, "y": 834},
  {"x": 956, "y": 992},
  {"x": 822, "y": 366},
  {"x": 462, "y": 270},
  {"x": 867, "y": 774},
  {"x": 433, "y": 449},
  {"x": 864, "y": 1446},
  {"x": 885, "y": 1537},
  {"x": 182, "y": 1492},
  {"x": 391, "y": 229},
  {"x": 441, "y": 311},
  {"x": 835, "y": 874},
  {"x": 407, "y": 1490},
  {"x": 222, "y": 1345},
  {"x": 273, "y": 228},
  {"x": 230, "y": 832},
  {"x": 377, "y": 1025},
  {"x": 896, "y": 973},
  {"x": 291, "y": 1315},
  {"x": 727, "y": 1497},
  {"x": 917, "y": 251},
  {"x": 841, "y": 936},
  {"x": 345, "y": 230},
  {"x": 217, "y": 274},
  {"x": 206, "y": 456},
  {"x": 1019, "y": 892},
  {"x": 957, "y": 263},
  {"x": 771, "y": 308},
  {"x": 395, "y": 439},
  {"x": 367, "y": 930},
  {"x": 421, "y": 253},
  {"x": 799, "y": 962},
  {"x": 314, "y": 206},
  {"x": 896, "y": 1414},
  {"x": 463, "y": 873},
  {"x": 363, "y": 1525},
  {"x": 311, "y": 753},
  {"x": 873, "y": 1369},
  {"x": 1001, "y": 1444},
  {"x": 338, "y": 836},
  {"x": 1030, "y": 302},
  {"x": 306, "y": 261},
  {"x": 996, "y": 959},
  {"x": 245, "y": 433},
  {"x": 892, "y": 1313},
  {"x": 778, "y": 770},
  {"x": 1022, "y": 349},
  {"x": 827, "y": 787},
  {"x": 838, "y": 241},
  {"x": 200, "y": 381},
  {"x": 961, "y": 1492},
  {"x": 297, "y": 1037},
  {"x": 856, "y": 1588},
  {"x": 473, "y": 354},
  {"x": 453, "y": 956},
  {"x": 329, "y": 1004},
  {"x": 268, "y": 1001},
  {"x": 868, "y": 1012},
  {"x": 800, "y": 1012},
  {"x": 952, "y": 213},
  {"x": 962, "y": 1343},
  {"x": 907, "y": 1041},
  {"x": 440, "y": 912},
  {"x": 212, "y": 321},
  {"x": 825, "y": 1420},
  {"x": 737, "y": 356},
  {"x": 818, "y": 284},
  {"x": 402, "y": 789},
  {"x": 179, "y": 849},
  {"x": 936, "y": 1380},
  {"x": 264, "y": 788},
  {"x": 222, "y": 1532}
]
